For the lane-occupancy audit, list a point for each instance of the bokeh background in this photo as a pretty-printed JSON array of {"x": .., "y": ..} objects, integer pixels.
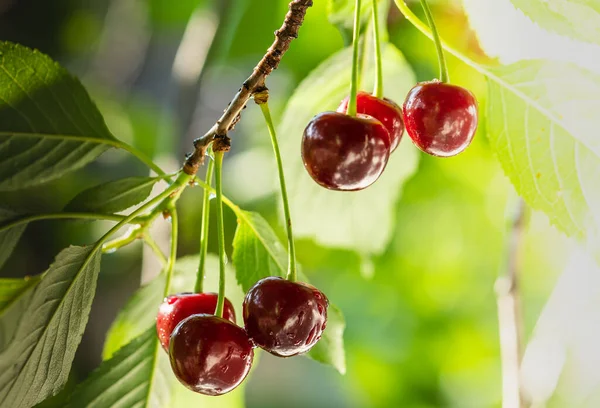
[{"x": 422, "y": 327}]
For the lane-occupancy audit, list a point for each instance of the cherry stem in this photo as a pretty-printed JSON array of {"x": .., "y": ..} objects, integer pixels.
[
  {"x": 292, "y": 273},
  {"x": 444, "y": 77},
  {"x": 378, "y": 92},
  {"x": 220, "y": 231},
  {"x": 354, "y": 79},
  {"x": 173, "y": 251},
  {"x": 204, "y": 231}
]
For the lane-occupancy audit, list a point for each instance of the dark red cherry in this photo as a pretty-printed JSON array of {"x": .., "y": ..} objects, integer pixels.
[
  {"x": 440, "y": 118},
  {"x": 210, "y": 355},
  {"x": 285, "y": 318},
  {"x": 384, "y": 110},
  {"x": 345, "y": 153},
  {"x": 177, "y": 307}
]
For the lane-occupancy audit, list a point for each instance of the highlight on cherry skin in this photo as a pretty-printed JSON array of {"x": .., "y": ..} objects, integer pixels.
[
  {"x": 440, "y": 118},
  {"x": 384, "y": 110},
  {"x": 177, "y": 307},
  {"x": 210, "y": 355},
  {"x": 345, "y": 153},
  {"x": 285, "y": 318}
]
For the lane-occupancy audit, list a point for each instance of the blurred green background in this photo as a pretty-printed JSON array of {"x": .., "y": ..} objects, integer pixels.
[{"x": 421, "y": 317}]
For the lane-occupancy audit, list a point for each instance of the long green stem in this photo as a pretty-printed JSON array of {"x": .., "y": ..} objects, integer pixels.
[
  {"x": 220, "y": 231},
  {"x": 204, "y": 231},
  {"x": 126, "y": 239},
  {"x": 173, "y": 252},
  {"x": 378, "y": 92},
  {"x": 59, "y": 216},
  {"x": 141, "y": 157},
  {"x": 180, "y": 183},
  {"x": 154, "y": 247},
  {"x": 354, "y": 78},
  {"x": 444, "y": 77},
  {"x": 292, "y": 274}
]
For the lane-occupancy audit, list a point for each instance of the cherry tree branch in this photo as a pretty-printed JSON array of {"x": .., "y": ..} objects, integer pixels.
[
  {"x": 255, "y": 83},
  {"x": 510, "y": 316}
]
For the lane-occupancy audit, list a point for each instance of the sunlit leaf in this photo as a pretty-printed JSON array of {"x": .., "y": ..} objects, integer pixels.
[
  {"x": 257, "y": 251},
  {"x": 330, "y": 349},
  {"x": 37, "y": 362},
  {"x": 48, "y": 124},
  {"x": 542, "y": 120},
  {"x": 578, "y": 19},
  {"x": 363, "y": 220},
  {"x": 113, "y": 196}
]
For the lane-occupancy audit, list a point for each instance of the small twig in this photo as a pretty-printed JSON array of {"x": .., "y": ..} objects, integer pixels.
[
  {"x": 510, "y": 316},
  {"x": 283, "y": 37}
]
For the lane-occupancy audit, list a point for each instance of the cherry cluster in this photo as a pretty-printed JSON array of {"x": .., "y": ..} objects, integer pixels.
[
  {"x": 212, "y": 355},
  {"x": 348, "y": 153}
]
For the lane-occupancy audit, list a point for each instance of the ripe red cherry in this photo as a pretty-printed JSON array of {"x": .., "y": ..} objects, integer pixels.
[
  {"x": 345, "y": 153},
  {"x": 285, "y": 318},
  {"x": 440, "y": 118},
  {"x": 175, "y": 308},
  {"x": 384, "y": 110},
  {"x": 210, "y": 355}
]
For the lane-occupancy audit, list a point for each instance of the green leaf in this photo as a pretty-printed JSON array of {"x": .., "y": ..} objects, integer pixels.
[
  {"x": 330, "y": 349},
  {"x": 577, "y": 19},
  {"x": 113, "y": 196},
  {"x": 137, "y": 318},
  {"x": 542, "y": 118},
  {"x": 257, "y": 253},
  {"x": 36, "y": 364},
  {"x": 363, "y": 220},
  {"x": 48, "y": 124},
  {"x": 10, "y": 237},
  {"x": 138, "y": 375},
  {"x": 15, "y": 295}
]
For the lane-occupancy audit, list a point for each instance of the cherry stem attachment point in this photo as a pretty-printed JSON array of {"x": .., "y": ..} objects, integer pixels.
[
  {"x": 354, "y": 78},
  {"x": 198, "y": 288},
  {"x": 444, "y": 77},
  {"x": 220, "y": 230},
  {"x": 292, "y": 270},
  {"x": 378, "y": 91}
]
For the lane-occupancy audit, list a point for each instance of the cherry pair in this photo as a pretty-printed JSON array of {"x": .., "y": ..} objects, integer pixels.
[
  {"x": 212, "y": 355},
  {"x": 346, "y": 153}
]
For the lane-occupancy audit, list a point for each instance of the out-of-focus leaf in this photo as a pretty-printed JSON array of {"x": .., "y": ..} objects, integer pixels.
[
  {"x": 48, "y": 124},
  {"x": 560, "y": 365},
  {"x": 9, "y": 237},
  {"x": 541, "y": 121},
  {"x": 113, "y": 196},
  {"x": 363, "y": 220},
  {"x": 578, "y": 19},
  {"x": 37, "y": 362}
]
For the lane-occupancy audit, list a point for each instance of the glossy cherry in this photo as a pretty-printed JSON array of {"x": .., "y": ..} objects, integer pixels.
[
  {"x": 177, "y": 307},
  {"x": 345, "y": 153},
  {"x": 384, "y": 110},
  {"x": 285, "y": 318},
  {"x": 209, "y": 354},
  {"x": 440, "y": 118}
]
